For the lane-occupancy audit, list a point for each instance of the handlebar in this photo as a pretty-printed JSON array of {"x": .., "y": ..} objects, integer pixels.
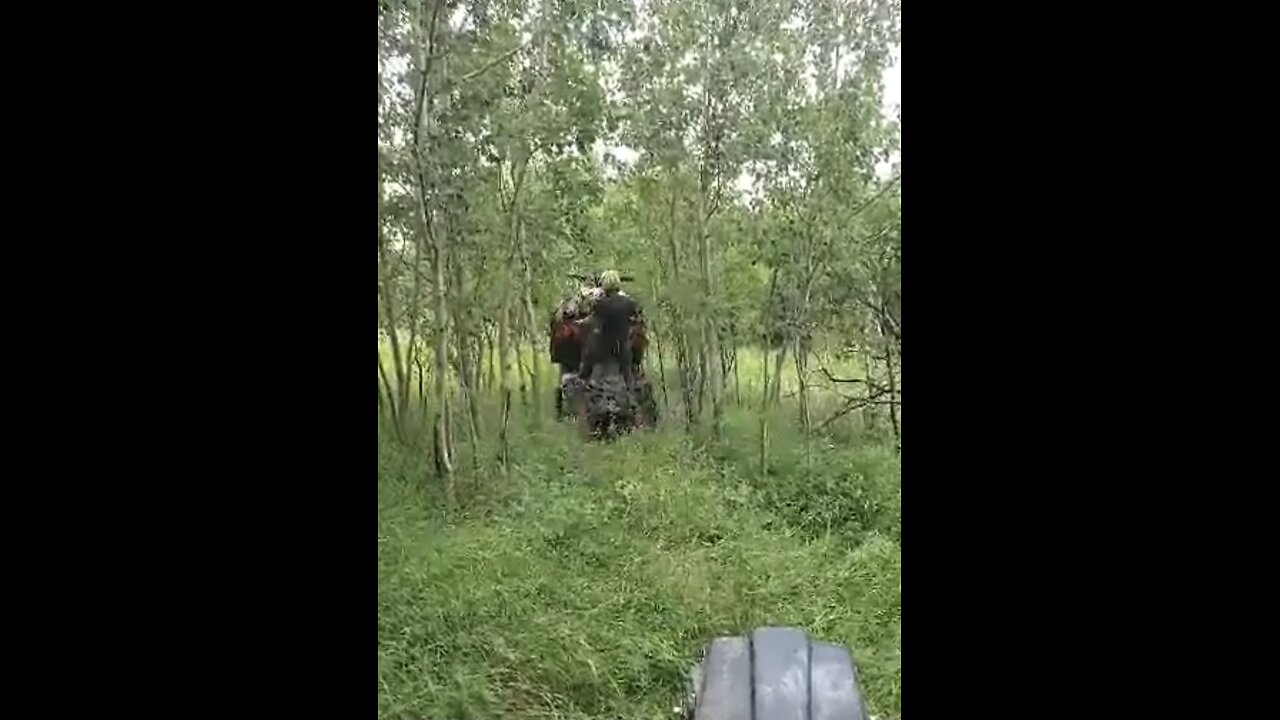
[{"x": 595, "y": 279}]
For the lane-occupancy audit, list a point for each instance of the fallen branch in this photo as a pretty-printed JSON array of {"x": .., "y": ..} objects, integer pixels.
[
  {"x": 835, "y": 379},
  {"x": 857, "y": 404},
  {"x": 873, "y": 394}
]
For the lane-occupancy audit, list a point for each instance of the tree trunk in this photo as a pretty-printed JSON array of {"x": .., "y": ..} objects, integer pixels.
[
  {"x": 662, "y": 369},
  {"x": 710, "y": 333},
  {"x": 652, "y": 331},
  {"x": 892, "y": 380},
  {"x": 531, "y": 321},
  {"x": 389, "y": 317},
  {"x": 737, "y": 384},
  {"x": 389, "y": 403},
  {"x": 504, "y": 343},
  {"x": 764, "y": 414},
  {"x": 777, "y": 373},
  {"x": 505, "y": 330},
  {"x": 702, "y": 365},
  {"x": 478, "y": 366},
  {"x": 443, "y": 441},
  {"x": 806, "y": 422},
  {"x": 414, "y": 319},
  {"x": 468, "y": 373},
  {"x": 491, "y": 352},
  {"x": 421, "y": 370},
  {"x": 680, "y": 329},
  {"x": 522, "y": 370},
  {"x": 481, "y": 348},
  {"x": 504, "y": 445},
  {"x": 893, "y": 402}
]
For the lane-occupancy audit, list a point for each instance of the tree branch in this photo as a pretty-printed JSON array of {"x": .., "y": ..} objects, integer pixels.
[
  {"x": 834, "y": 379},
  {"x": 500, "y": 58},
  {"x": 892, "y": 181},
  {"x": 427, "y": 59},
  {"x": 875, "y": 391},
  {"x": 857, "y": 404}
]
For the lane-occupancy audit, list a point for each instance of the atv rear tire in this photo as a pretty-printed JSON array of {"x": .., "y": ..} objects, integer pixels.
[{"x": 775, "y": 674}]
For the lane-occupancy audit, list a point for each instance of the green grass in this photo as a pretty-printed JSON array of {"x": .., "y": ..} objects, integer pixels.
[
  {"x": 749, "y": 372},
  {"x": 585, "y": 583}
]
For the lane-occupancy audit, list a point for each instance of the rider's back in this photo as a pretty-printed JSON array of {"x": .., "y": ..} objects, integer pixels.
[{"x": 613, "y": 312}]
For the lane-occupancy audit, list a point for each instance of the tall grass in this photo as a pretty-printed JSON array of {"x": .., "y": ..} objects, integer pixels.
[
  {"x": 744, "y": 386},
  {"x": 583, "y": 583}
]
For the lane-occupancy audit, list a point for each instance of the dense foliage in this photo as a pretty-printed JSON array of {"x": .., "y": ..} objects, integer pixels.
[{"x": 736, "y": 159}]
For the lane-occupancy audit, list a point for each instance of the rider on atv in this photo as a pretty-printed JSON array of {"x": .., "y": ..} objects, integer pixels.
[
  {"x": 576, "y": 307},
  {"x": 610, "y": 338}
]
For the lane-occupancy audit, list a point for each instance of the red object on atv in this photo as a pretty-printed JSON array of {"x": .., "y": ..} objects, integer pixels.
[{"x": 566, "y": 332}]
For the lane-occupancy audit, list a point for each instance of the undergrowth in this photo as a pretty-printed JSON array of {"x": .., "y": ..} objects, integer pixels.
[{"x": 584, "y": 583}]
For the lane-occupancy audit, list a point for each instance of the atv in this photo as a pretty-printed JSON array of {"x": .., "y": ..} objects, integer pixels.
[{"x": 604, "y": 404}]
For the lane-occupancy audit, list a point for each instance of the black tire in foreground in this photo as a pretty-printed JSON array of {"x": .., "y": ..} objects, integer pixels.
[{"x": 775, "y": 674}]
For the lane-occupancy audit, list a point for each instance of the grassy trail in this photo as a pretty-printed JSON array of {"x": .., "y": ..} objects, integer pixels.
[{"x": 567, "y": 591}]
